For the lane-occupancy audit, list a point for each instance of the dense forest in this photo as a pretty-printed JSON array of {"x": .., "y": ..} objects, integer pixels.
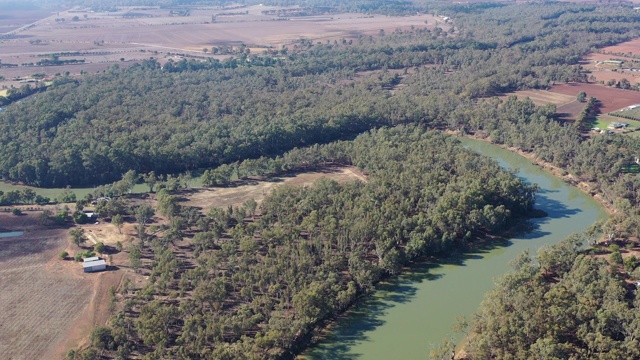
[
  {"x": 253, "y": 287},
  {"x": 252, "y": 282},
  {"x": 188, "y": 116},
  {"x": 564, "y": 305}
]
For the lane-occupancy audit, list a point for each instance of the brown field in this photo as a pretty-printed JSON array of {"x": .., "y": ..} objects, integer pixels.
[
  {"x": 543, "y": 97},
  {"x": 14, "y": 19},
  {"x": 134, "y": 34},
  {"x": 40, "y": 297},
  {"x": 602, "y": 72},
  {"x": 570, "y": 110},
  {"x": 612, "y": 99},
  {"x": 206, "y": 198},
  {"x": 48, "y": 305},
  {"x": 629, "y": 48}
]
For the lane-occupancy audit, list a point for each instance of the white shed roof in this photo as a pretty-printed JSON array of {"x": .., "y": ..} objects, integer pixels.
[
  {"x": 89, "y": 259},
  {"x": 88, "y": 264}
]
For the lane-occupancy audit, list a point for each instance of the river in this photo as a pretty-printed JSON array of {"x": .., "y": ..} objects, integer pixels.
[{"x": 416, "y": 311}]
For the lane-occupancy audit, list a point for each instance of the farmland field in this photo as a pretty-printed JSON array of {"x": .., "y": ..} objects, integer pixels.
[
  {"x": 612, "y": 99},
  {"x": 54, "y": 299},
  {"x": 629, "y": 69},
  {"x": 131, "y": 35},
  {"x": 631, "y": 47},
  {"x": 564, "y": 97},
  {"x": 627, "y": 114},
  {"x": 544, "y": 97},
  {"x": 3, "y": 92},
  {"x": 565, "y": 104},
  {"x": 603, "y": 72},
  {"x": 38, "y": 293}
]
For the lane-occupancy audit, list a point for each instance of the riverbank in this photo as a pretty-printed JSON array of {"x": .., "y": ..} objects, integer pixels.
[
  {"x": 410, "y": 315},
  {"x": 588, "y": 187}
]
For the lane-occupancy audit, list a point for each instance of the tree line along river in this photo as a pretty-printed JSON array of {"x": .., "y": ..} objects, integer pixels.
[{"x": 416, "y": 311}]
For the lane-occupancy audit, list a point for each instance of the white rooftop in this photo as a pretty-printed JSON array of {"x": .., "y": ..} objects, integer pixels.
[
  {"x": 89, "y": 259},
  {"x": 87, "y": 264}
]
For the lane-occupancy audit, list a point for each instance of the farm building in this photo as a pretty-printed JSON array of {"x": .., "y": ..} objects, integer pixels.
[
  {"x": 94, "y": 265},
  {"x": 617, "y": 125}
]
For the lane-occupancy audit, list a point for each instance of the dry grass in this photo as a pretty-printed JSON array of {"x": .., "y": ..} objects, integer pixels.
[
  {"x": 41, "y": 296},
  {"x": 207, "y": 198},
  {"x": 544, "y": 97},
  {"x": 48, "y": 305}
]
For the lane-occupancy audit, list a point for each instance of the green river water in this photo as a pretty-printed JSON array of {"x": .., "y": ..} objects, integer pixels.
[{"x": 409, "y": 315}]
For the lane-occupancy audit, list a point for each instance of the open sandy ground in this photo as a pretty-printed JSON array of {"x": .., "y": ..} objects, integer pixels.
[{"x": 206, "y": 198}]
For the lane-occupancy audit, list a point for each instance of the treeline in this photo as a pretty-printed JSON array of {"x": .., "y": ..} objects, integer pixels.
[
  {"x": 193, "y": 115},
  {"x": 24, "y": 197},
  {"x": 256, "y": 282},
  {"x": 606, "y": 162},
  {"x": 15, "y": 94},
  {"x": 565, "y": 305},
  {"x": 587, "y": 116}
]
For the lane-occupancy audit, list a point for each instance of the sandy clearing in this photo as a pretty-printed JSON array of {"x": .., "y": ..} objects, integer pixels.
[
  {"x": 206, "y": 198},
  {"x": 543, "y": 97}
]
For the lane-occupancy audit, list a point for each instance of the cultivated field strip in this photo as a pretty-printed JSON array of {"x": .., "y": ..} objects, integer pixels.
[
  {"x": 40, "y": 297},
  {"x": 543, "y": 97}
]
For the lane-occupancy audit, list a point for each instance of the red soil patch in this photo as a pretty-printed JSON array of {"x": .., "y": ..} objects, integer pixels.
[
  {"x": 606, "y": 75},
  {"x": 612, "y": 99},
  {"x": 632, "y": 47},
  {"x": 572, "y": 109},
  {"x": 543, "y": 97},
  {"x": 602, "y": 72}
]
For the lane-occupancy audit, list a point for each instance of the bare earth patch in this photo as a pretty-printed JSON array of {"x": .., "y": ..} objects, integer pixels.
[
  {"x": 612, "y": 99},
  {"x": 631, "y": 47},
  {"x": 543, "y": 97},
  {"x": 41, "y": 296},
  {"x": 48, "y": 305},
  {"x": 596, "y": 64},
  {"x": 206, "y": 198}
]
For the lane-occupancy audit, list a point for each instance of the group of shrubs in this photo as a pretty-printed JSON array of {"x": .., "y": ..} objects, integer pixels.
[{"x": 98, "y": 248}]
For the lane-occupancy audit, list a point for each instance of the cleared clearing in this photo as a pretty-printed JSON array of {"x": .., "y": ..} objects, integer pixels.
[
  {"x": 543, "y": 97},
  {"x": 596, "y": 64},
  {"x": 629, "y": 48},
  {"x": 54, "y": 299},
  {"x": 38, "y": 293},
  {"x": 612, "y": 99},
  {"x": 207, "y": 198}
]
